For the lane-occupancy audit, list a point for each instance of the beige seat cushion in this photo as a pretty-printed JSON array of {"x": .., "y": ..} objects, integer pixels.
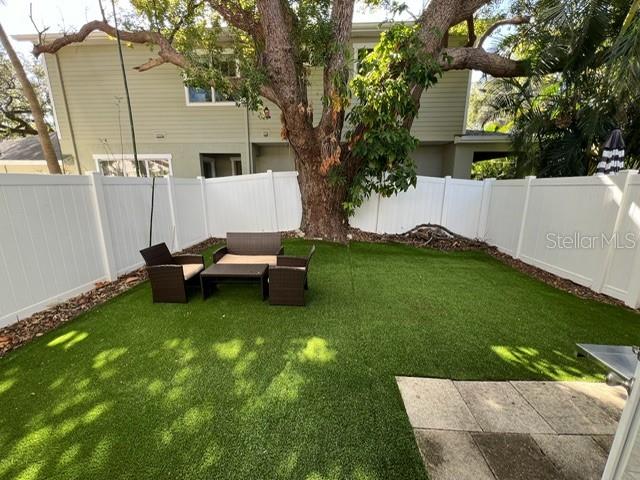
[
  {"x": 191, "y": 270},
  {"x": 261, "y": 259}
]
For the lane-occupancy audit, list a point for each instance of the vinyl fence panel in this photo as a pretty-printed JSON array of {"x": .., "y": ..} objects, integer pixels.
[
  {"x": 567, "y": 220},
  {"x": 128, "y": 204},
  {"x": 462, "y": 208},
  {"x": 49, "y": 246},
  {"x": 505, "y": 214},
  {"x": 189, "y": 211},
  {"x": 366, "y": 217},
  {"x": 621, "y": 276},
  {"x": 241, "y": 204},
  {"x": 287, "y": 199},
  {"x": 422, "y": 204}
]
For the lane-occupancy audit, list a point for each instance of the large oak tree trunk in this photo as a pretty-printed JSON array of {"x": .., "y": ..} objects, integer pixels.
[
  {"x": 322, "y": 213},
  {"x": 34, "y": 104}
]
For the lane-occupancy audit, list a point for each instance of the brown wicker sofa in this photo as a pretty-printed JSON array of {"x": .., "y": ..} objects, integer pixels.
[
  {"x": 289, "y": 279},
  {"x": 170, "y": 274},
  {"x": 250, "y": 247}
]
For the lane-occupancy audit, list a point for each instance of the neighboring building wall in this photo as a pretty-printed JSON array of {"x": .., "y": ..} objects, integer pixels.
[
  {"x": 442, "y": 109},
  {"x": 166, "y": 125},
  {"x": 93, "y": 83},
  {"x": 428, "y": 160},
  {"x": 458, "y": 157},
  {"x": 17, "y": 168},
  {"x": 278, "y": 158}
]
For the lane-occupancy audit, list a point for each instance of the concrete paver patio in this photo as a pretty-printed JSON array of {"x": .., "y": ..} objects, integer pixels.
[{"x": 512, "y": 430}]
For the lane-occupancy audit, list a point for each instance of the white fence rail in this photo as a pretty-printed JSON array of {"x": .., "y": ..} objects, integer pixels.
[{"x": 61, "y": 234}]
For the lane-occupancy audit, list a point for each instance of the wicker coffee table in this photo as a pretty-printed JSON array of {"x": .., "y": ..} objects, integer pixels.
[{"x": 234, "y": 273}]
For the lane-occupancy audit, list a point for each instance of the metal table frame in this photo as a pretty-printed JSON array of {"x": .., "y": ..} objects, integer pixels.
[{"x": 620, "y": 360}]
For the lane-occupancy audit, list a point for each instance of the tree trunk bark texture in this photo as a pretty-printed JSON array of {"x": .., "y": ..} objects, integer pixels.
[
  {"x": 34, "y": 103},
  {"x": 322, "y": 212}
]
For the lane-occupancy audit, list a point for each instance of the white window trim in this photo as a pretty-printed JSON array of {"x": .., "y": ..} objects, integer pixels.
[
  {"x": 212, "y": 103},
  {"x": 101, "y": 157},
  {"x": 356, "y": 47}
]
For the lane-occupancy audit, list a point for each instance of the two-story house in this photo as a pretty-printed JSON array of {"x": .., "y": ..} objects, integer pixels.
[{"x": 189, "y": 132}]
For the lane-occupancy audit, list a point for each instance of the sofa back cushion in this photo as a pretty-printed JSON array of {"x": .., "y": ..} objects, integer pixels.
[
  {"x": 157, "y": 255},
  {"x": 254, "y": 243}
]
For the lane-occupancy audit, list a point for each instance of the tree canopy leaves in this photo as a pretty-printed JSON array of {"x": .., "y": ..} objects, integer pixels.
[
  {"x": 586, "y": 82},
  {"x": 16, "y": 119}
]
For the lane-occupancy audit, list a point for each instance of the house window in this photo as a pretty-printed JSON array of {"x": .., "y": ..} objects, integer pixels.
[
  {"x": 150, "y": 165},
  {"x": 209, "y": 96},
  {"x": 360, "y": 51},
  {"x": 199, "y": 95}
]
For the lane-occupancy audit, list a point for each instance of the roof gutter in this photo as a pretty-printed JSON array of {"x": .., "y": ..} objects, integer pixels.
[{"x": 482, "y": 139}]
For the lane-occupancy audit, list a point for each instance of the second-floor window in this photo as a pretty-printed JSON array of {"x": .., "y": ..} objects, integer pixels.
[
  {"x": 361, "y": 50},
  {"x": 210, "y": 96}
]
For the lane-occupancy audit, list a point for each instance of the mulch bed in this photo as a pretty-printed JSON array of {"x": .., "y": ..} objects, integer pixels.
[
  {"x": 427, "y": 235},
  {"x": 441, "y": 238}
]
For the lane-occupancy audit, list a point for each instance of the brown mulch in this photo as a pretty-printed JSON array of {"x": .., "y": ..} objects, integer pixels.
[
  {"x": 198, "y": 248},
  {"x": 19, "y": 333},
  {"x": 427, "y": 235},
  {"x": 441, "y": 238}
]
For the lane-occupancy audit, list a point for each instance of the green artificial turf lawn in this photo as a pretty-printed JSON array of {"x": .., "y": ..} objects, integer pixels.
[{"x": 232, "y": 388}]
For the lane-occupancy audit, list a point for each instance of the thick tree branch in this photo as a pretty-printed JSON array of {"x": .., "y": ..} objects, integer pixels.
[
  {"x": 520, "y": 20},
  {"x": 336, "y": 71},
  {"x": 286, "y": 75},
  {"x": 335, "y": 79},
  {"x": 466, "y": 58},
  {"x": 471, "y": 32},
  {"x": 465, "y": 9},
  {"x": 166, "y": 52},
  {"x": 238, "y": 17},
  {"x": 192, "y": 7}
]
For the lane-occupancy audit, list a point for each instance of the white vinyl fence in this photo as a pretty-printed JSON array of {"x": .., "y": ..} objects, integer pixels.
[
  {"x": 586, "y": 229},
  {"x": 61, "y": 234}
]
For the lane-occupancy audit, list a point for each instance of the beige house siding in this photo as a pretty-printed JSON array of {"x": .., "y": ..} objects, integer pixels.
[
  {"x": 166, "y": 125},
  {"x": 442, "y": 109},
  {"x": 39, "y": 168},
  {"x": 278, "y": 158},
  {"x": 93, "y": 83},
  {"x": 428, "y": 159}
]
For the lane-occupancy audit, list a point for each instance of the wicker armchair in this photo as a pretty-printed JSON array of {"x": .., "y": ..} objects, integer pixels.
[
  {"x": 170, "y": 274},
  {"x": 289, "y": 279}
]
